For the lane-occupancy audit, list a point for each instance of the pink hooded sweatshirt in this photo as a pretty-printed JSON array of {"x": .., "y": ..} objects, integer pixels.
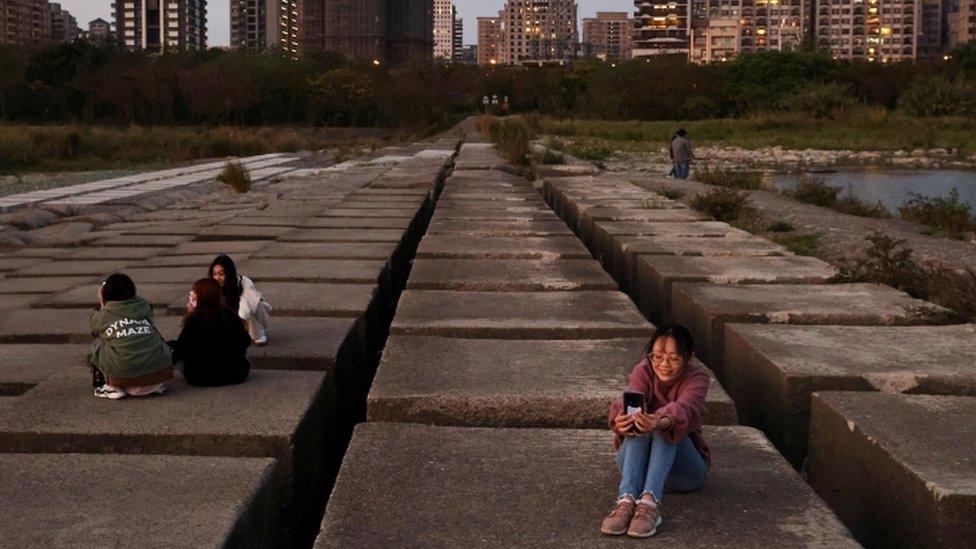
[{"x": 682, "y": 401}]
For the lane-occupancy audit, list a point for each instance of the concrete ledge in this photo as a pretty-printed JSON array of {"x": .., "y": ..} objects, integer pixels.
[
  {"x": 506, "y": 383},
  {"x": 47, "y": 284},
  {"x": 607, "y": 236},
  {"x": 655, "y": 275},
  {"x": 310, "y": 299},
  {"x": 473, "y": 247},
  {"x": 897, "y": 469},
  {"x": 552, "y": 488},
  {"x": 498, "y": 214},
  {"x": 59, "y": 268},
  {"x": 28, "y": 365},
  {"x": 499, "y": 228},
  {"x": 343, "y": 235},
  {"x": 706, "y": 308},
  {"x": 500, "y": 275},
  {"x": 159, "y": 294},
  {"x": 241, "y": 232},
  {"x": 310, "y": 344},
  {"x": 518, "y": 315},
  {"x": 772, "y": 370},
  {"x": 345, "y": 271},
  {"x": 329, "y": 250},
  {"x": 61, "y": 500}
]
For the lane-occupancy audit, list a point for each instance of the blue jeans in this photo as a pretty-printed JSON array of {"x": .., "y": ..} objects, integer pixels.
[
  {"x": 649, "y": 463},
  {"x": 682, "y": 169}
]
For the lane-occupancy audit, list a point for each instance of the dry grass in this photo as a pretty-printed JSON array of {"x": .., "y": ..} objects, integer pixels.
[
  {"x": 236, "y": 177},
  {"x": 722, "y": 203}
]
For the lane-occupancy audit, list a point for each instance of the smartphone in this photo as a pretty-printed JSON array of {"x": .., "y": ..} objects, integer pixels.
[{"x": 633, "y": 402}]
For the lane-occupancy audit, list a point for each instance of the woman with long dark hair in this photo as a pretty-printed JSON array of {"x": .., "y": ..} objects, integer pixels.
[
  {"x": 213, "y": 343},
  {"x": 242, "y": 295},
  {"x": 659, "y": 434}
]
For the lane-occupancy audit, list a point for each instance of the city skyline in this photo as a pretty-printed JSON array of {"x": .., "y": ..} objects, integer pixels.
[{"x": 218, "y": 27}]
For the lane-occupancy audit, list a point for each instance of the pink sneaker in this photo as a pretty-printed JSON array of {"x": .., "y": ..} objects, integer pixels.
[
  {"x": 616, "y": 522},
  {"x": 646, "y": 520}
]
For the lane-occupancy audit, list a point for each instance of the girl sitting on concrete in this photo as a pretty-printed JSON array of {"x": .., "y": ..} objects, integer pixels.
[
  {"x": 242, "y": 296},
  {"x": 129, "y": 357},
  {"x": 213, "y": 343},
  {"x": 660, "y": 447}
]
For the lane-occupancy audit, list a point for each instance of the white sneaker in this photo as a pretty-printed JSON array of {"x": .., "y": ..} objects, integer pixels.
[
  {"x": 109, "y": 392},
  {"x": 261, "y": 341}
]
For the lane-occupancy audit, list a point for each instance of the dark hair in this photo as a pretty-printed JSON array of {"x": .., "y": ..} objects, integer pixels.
[
  {"x": 680, "y": 334},
  {"x": 232, "y": 283},
  {"x": 210, "y": 300},
  {"x": 118, "y": 287},
  {"x": 681, "y": 132}
]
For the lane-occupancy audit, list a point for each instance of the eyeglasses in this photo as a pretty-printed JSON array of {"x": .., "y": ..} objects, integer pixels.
[{"x": 659, "y": 358}]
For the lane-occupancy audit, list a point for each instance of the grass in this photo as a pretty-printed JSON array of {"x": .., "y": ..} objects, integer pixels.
[
  {"x": 512, "y": 136},
  {"x": 235, "y": 176},
  {"x": 734, "y": 179},
  {"x": 946, "y": 215},
  {"x": 811, "y": 190},
  {"x": 780, "y": 227},
  {"x": 84, "y": 148},
  {"x": 722, "y": 203},
  {"x": 807, "y": 244},
  {"x": 673, "y": 194},
  {"x": 863, "y": 130}
]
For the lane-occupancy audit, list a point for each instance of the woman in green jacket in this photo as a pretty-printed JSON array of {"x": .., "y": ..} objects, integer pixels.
[{"x": 128, "y": 351}]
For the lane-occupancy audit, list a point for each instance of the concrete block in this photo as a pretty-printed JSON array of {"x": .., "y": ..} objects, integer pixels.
[
  {"x": 199, "y": 261},
  {"x": 329, "y": 250},
  {"x": 61, "y": 500},
  {"x": 897, "y": 469},
  {"x": 241, "y": 232},
  {"x": 623, "y": 250},
  {"x": 58, "y": 268},
  {"x": 9, "y": 264},
  {"x": 116, "y": 252},
  {"x": 506, "y": 383},
  {"x": 553, "y": 487},
  {"x": 42, "y": 325},
  {"x": 518, "y": 315},
  {"x": 500, "y": 275},
  {"x": 308, "y": 344},
  {"x": 342, "y": 271},
  {"x": 637, "y": 215},
  {"x": 159, "y": 294},
  {"x": 217, "y": 247},
  {"x": 139, "y": 240},
  {"x": 13, "y": 302},
  {"x": 772, "y": 370},
  {"x": 23, "y": 366},
  {"x": 399, "y": 223},
  {"x": 47, "y": 284},
  {"x": 343, "y": 235},
  {"x": 309, "y": 299},
  {"x": 386, "y": 213},
  {"x": 473, "y": 247},
  {"x": 655, "y": 275},
  {"x": 706, "y": 308},
  {"x": 498, "y": 228},
  {"x": 605, "y": 235},
  {"x": 471, "y": 213},
  {"x": 186, "y": 275}
]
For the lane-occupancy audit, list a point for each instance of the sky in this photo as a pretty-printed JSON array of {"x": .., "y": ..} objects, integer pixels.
[{"x": 219, "y": 25}]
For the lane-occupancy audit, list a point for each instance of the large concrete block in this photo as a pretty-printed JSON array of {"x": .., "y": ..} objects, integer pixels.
[
  {"x": 606, "y": 236},
  {"x": 518, "y": 315},
  {"x": 499, "y": 275},
  {"x": 47, "y": 284},
  {"x": 159, "y": 294},
  {"x": 506, "y": 383},
  {"x": 396, "y": 223},
  {"x": 64, "y": 325},
  {"x": 343, "y": 235},
  {"x": 309, "y": 299},
  {"x": 474, "y": 247},
  {"x": 341, "y": 271},
  {"x": 58, "y": 268},
  {"x": 285, "y": 415},
  {"x": 309, "y": 344},
  {"x": 185, "y": 275},
  {"x": 623, "y": 250},
  {"x": 898, "y": 469},
  {"x": 74, "y": 500},
  {"x": 329, "y": 250},
  {"x": 470, "y": 213},
  {"x": 772, "y": 370},
  {"x": 544, "y": 487},
  {"x": 138, "y": 240},
  {"x": 499, "y": 228},
  {"x": 655, "y": 275},
  {"x": 706, "y": 308},
  {"x": 10, "y": 264},
  {"x": 386, "y": 213},
  {"x": 241, "y": 232},
  {"x": 217, "y": 247},
  {"x": 115, "y": 252},
  {"x": 649, "y": 216},
  {"x": 23, "y": 366}
]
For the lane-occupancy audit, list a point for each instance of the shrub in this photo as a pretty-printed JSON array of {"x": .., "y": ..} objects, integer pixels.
[
  {"x": 236, "y": 177},
  {"x": 550, "y": 156},
  {"x": 814, "y": 191},
  {"x": 721, "y": 203},
  {"x": 735, "y": 179},
  {"x": 780, "y": 227},
  {"x": 853, "y": 205},
  {"x": 512, "y": 137},
  {"x": 947, "y": 214},
  {"x": 939, "y": 96},
  {"x": 800, "y": 244},
  {"x": 591, "y": 153},
  {"x": 820, "y": 100},
  {"x": 672, "y": 194}
]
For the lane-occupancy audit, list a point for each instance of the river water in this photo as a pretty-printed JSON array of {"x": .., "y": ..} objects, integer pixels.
[{"x": 892, "y": 187}]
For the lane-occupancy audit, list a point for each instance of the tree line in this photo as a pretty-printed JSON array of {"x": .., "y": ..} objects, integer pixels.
[{"x": 85, "y": 83}]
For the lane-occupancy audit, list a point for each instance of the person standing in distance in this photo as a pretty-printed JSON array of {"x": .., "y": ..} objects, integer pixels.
[{"x": 682, "y": 154}]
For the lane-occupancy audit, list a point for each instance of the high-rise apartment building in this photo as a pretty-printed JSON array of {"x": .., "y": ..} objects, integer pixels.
[
  {"x": 161, "y": 25},
  {"x": 457, "y": 42},
  {"x": 469, "y": 54},
  {"x": 933, "y": 38},
  {"x": 25, "y": 23},
  {"x": 609, "y": 35},
  {"x": 444, "y": 16},
  {"x": 489, "y": 40},
  {"x": 962, "y": 23},
  {"x": 875, "y": 30},
  {"x": 380, "y": 30},
  {"x": 265, "y": 25},
  {"x": 99, "y": 31},
  {"x": 662, "y": 27},
  {"x": 409, "y": 30},
  {"x": 64, "y": 26},
  {"x": 719, "y": 39},
  {"x": 538, "y": 32}
]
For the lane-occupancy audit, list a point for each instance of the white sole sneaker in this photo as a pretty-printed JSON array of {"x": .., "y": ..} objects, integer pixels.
[{"x": 109, "y": 392}]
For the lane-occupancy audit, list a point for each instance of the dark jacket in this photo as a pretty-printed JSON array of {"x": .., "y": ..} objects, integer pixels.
[
  {"x": 128, "y": 346},
  {"x": 213, "y": 349}
]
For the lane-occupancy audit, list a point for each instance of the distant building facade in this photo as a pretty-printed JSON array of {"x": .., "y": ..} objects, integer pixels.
[
  {"x": 379, "y": 30},
  {"x": 444, "y": 17},
  {"x": 161, "y": 25},
  {"x": 409, "y": 30},
  {"x": 99, "y": 31},
  {"x": 663, "y": 28},
  {"x": 469, "y": 54},
  {"x": 457, "y": 38},
  {"x": 872, "y": 30},
  {"x": 608, "y": 36},
  {"x": 719, "y": 39},
  {"x": 489, "y": 40},
  {"x": 961, "y": 23},
  {"x": 64, "y": 26},
  {"x": 265, "y": 25},
  {"x": 538, "y": 32},
  {"x": 25, "y": 23}
]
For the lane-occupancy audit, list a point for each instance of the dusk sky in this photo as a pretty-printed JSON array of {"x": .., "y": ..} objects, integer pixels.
[{"x": 219, "y": 27}]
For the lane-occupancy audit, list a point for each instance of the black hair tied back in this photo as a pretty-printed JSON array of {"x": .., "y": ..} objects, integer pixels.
[{"x": 682, "y": 339}]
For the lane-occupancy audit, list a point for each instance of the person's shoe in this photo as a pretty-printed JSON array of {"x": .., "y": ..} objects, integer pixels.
[
  {"x": 261, "y": 341},
  {"x": 109, "y": 392},
  {"x": 616, "y": 522},
  {"x": 646, "y": 519},
  {"x": 158, "y": 389}
]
